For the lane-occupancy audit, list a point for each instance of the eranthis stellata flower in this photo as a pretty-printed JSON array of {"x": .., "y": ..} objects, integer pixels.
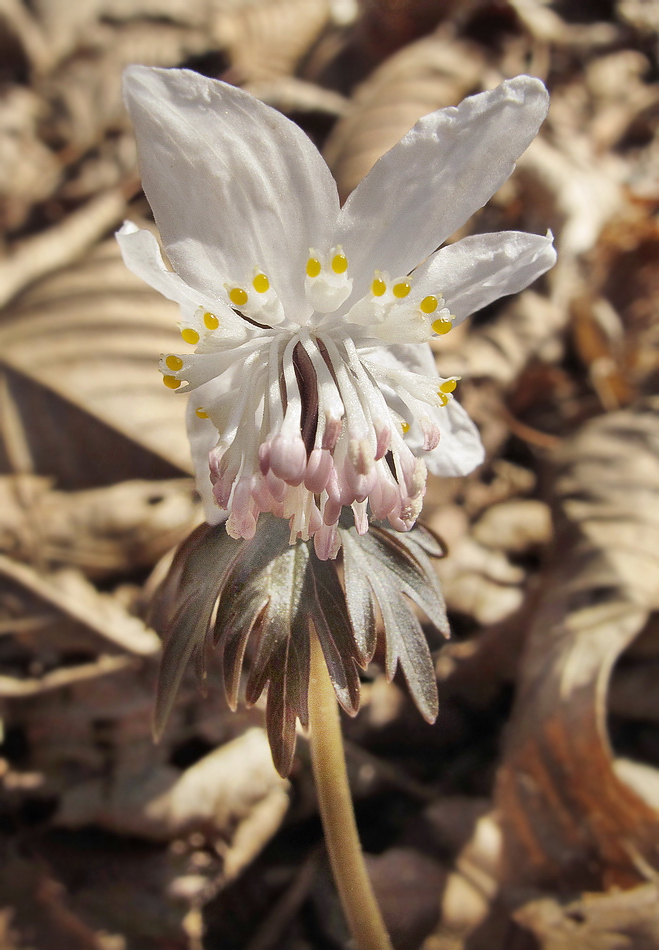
[{"x": 308, "y": 325}]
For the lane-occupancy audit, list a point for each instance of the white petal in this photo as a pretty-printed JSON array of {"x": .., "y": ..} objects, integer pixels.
[
  {"x": 479, "y": 269},
  {"x": 460, "y": 449},
  {"x": 203, "y": 437},
  {"x": 414, "y": 357},
  {"x": 232, "y": 183},
  {"x": 142, "y": 256},
  {"x": 438, "y": 175}
]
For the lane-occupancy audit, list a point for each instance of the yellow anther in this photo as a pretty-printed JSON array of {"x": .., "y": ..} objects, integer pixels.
[
  {"x": 402, "y": 289},
  {"x": 339, "y": 263},
  {"x": 210, "y": 321},
  {"x": 174, "y": 363},
  {"x": 190, "y": 335},
  {"x": 441, "y": 326},
  {"x": 238, "y": 297},
  {"x": 171, "y": 382},
  {"x": 448, "y": 386},
  {"x": 429, "y": 304},
  {"x": 405, "y": 426},
  {"x": 378, "y": 287},
  {"x": 201, "y": 413},
  {"x": 313, "y": 267},
  {"x": 443, "y": 399},
  {"x": 261, "y": 284}
]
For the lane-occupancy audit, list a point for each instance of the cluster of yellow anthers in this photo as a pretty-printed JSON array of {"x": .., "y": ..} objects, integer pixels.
[{"x": 238, "y": 298}]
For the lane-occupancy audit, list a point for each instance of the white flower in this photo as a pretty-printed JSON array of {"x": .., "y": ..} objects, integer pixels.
[{"x": 314, "y": 384}]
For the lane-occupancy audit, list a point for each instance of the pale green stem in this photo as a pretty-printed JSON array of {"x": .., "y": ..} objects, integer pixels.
[{"x": 336, "y": 811}]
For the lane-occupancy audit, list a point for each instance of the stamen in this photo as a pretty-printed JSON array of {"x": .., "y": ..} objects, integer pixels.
[
  {"x": 405, "y": 426},
  {"x": 313, "y": 267},
  {"x": 201, "y": 413},
  {"x": 174, "y": 363},
  {"x": 210, "y": 321},
  {"x": 261, "y": 284},
  {"x": 378, "y": 287},
  {"x": 429, "y": 304},
  {"x": 402, "y": 289},
  {"x": 448, "y": 386},
  {"x": 190, "y": 336},
  {"x": 171, "y": 382},
  {"x": 339, "y": 263},
  {"x": 238, "y": 296},
  {"x": 442, "y": 326}
]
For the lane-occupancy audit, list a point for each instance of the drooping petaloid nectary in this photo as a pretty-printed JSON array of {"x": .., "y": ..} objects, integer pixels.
[{"x": 313, "y": 383}]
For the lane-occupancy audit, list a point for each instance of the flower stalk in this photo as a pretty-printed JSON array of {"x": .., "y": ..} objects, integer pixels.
[{"x": 336, "y": 811}]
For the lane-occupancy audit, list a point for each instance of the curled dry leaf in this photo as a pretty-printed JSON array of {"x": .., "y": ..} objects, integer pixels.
[
  {"x": 93, "y": 333},
  {"x": 529, "y": 326},
  {"x": 103, "y": 530},
  {"x": 422, "y": 77},
  {"x": 233, "y": 793},
  {"x": 477, "y": 581},
  {"x": 69, "y": 593},
  {"x": 514, "y": 526},
  {"x": 84, "y": 93},
  {"x": 266, "y": 38},
  {"x": 570, "y": 820},
  {"x": 626, "y": 920},
  {"x": 28, "y": 170}
]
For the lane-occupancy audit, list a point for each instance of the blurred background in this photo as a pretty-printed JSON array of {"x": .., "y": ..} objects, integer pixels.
[{"x": 527, "y": 817}]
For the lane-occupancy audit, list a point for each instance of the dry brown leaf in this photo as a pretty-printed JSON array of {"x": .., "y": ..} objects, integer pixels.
[
  {"x": 92, "y": 334},
  {"x": 387, "y": 25},
  {"x": 28, "y": 170},
  {"x": 569, "y": 819},
  {"x": 84, "y": 93},
  {"x": 614, "y": 921},
  {"x": 424, "y": 76},
  {"x": 59, "y": 245},
  {"x": 67, "y": 592},
  {"x": 266, "y": 38},
  {"x": 514, "y": 526},
  {"x": 527, "y": 327},
  {"x": 101, "y": 531},
  {"x": 479, "y": 582},
  {"x": 233, "y": 793}
]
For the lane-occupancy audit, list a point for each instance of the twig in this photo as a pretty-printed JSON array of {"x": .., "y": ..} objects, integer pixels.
[
  {"x": 272, "y": 928},
  {"x": 10, "y": 686},
  {"x": 336, "y": 811}
]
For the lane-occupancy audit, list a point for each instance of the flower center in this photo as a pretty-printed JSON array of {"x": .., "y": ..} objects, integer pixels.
[{"x": 309, "y": 419}]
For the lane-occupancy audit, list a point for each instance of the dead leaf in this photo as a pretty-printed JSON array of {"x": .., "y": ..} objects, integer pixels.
[
  {"x": 479, "y": 582},
  {"x": 422, "y": 77},
  {"x": 102, "y": 531},
  {"x": 28, "y": 170},
  {"x": 233, "y": 794},
  {"x": 68, "y": 592},
  {"x": 266, "y": 38},
  {"x": 626, "y": 920},
  {"x": 529, "y": 326},
  {"x": 93, "y": 334},
  {"x": 570, "y": 821}
]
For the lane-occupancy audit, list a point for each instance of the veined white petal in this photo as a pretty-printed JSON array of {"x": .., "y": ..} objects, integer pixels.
[
  {"x": 438, "y": 175},
  {"x": 413, "y": 357},
  {"x": 203, "y": 437},
  {"x": 233, "y": 184},
  {"x": 460, "y": 449},
  {"x": 479, "y": 269},
  {"x": 142, "y": 256}
]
